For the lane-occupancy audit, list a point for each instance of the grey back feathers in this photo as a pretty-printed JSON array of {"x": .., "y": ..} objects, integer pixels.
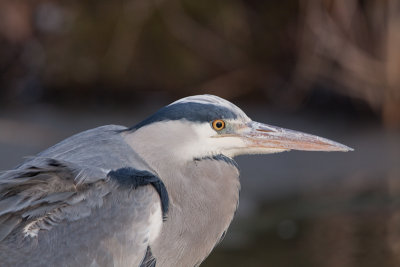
[{"x": 42, "y": 195}]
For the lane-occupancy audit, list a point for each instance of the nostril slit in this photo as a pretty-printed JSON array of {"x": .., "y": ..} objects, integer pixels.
[{"x": 265, "y": 131}]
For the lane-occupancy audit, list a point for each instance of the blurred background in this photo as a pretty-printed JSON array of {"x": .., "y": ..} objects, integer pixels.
[{"x": 330, "y": 68}]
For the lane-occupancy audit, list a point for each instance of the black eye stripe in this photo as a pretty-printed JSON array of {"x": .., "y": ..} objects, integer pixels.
[{"x": 190, "y": 111}]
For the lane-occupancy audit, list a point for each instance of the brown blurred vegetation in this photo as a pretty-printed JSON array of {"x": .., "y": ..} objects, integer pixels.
[{"x": 280, "y": 51}]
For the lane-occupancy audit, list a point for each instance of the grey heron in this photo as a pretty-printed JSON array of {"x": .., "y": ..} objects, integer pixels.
[{"x": 162, "y": 192}]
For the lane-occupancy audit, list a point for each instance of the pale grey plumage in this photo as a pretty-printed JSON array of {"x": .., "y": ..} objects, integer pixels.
[
  {"x": 99, "y": 198},
  {"x": 72, "y": 194},
  {"x": 201, "y": 211}
]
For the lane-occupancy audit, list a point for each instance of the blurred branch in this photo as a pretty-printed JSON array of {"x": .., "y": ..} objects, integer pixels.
[
  {"x": 391, "y": 109},
  {"x": 209, "y": 45},
  {"x": 15, "y": 19},
  {"x": 129, "y": 25},
  {"x": 335, "y": 35}
]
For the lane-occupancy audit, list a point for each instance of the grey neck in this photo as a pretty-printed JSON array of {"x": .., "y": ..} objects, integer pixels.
[{"x": 203, "y": 196}]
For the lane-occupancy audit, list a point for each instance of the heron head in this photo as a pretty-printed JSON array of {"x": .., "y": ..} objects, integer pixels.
[{"x": 207, "y": 125}]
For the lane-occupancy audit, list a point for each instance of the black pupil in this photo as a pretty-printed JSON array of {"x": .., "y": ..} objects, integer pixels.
[{"x": 219, "y": 124}]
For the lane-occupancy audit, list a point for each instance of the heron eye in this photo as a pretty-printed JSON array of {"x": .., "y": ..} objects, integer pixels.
[{"x": 218, "y": 125}]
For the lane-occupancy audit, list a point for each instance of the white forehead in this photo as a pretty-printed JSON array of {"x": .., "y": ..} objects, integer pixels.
[{"x": 214, "y": 100}]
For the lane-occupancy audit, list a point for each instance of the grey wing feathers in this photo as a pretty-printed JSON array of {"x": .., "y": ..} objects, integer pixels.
[
  {"x": 58, "y": 179},
  {"x": 67, "y": 209},
  {"x": 47, "y": 193},
  {"x": 57, "y": 205}
]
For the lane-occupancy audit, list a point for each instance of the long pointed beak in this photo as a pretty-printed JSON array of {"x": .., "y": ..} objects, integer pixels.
[{"x": 263, "y": 136}]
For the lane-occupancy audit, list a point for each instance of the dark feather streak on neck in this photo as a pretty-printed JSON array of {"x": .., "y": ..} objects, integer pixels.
[{"x": 220, "y": 157}]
